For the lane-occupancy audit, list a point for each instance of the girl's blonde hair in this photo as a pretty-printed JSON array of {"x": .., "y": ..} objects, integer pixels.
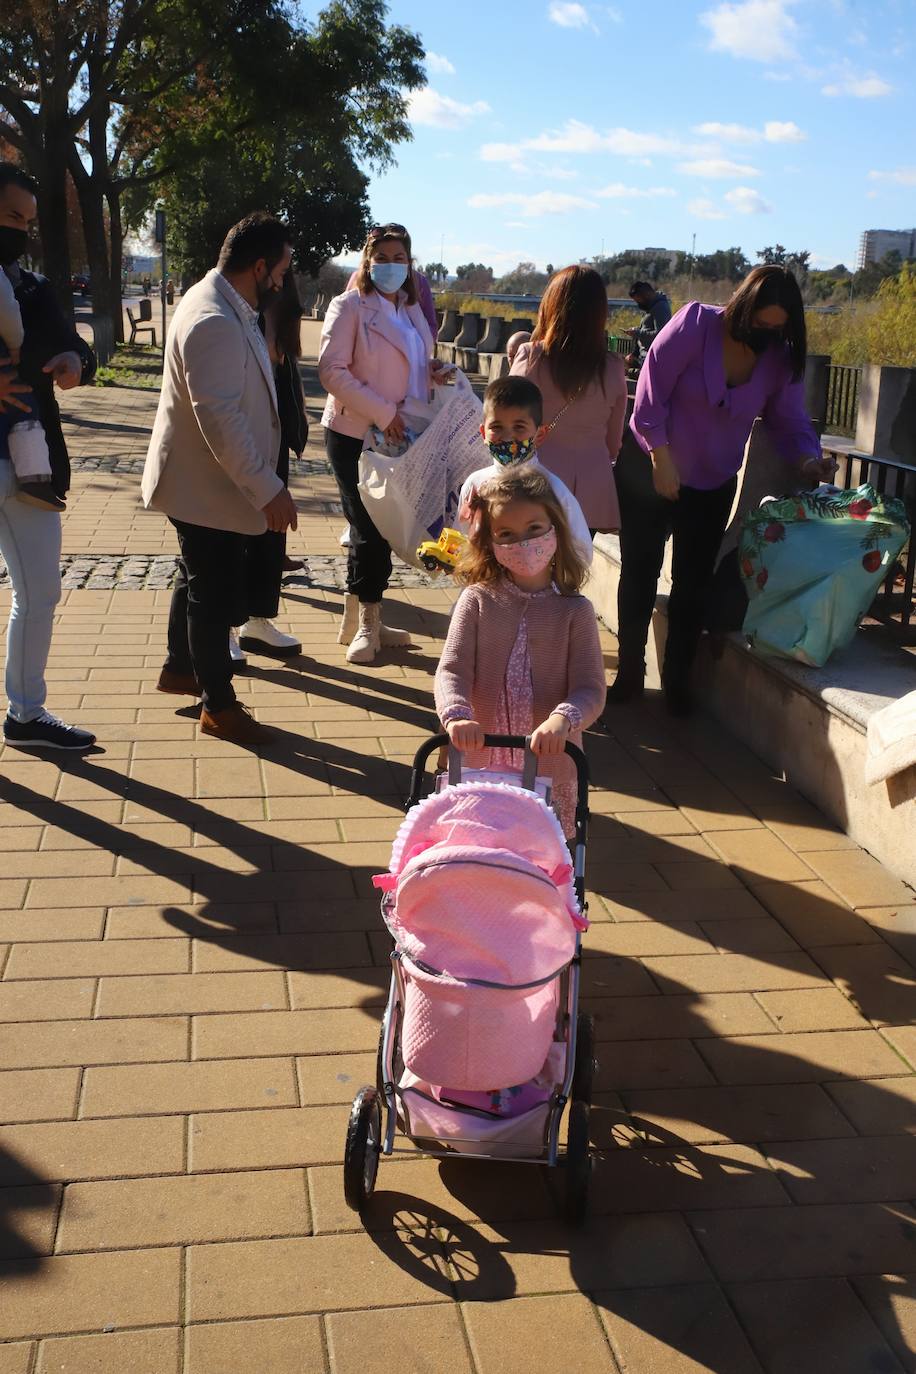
[{"x": 523, "y": 483}]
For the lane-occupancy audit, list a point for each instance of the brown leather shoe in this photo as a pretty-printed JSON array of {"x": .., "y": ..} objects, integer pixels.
[
  {"x": 293, "y": 564},
  {"x": 236, "y": 724},
  {"x": 178, "y": 684}
]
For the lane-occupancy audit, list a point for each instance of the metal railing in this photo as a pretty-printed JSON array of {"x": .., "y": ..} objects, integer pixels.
[
  {"x": 619, "y": 343},
  {"x": 842, "y": 399},
  {"x": 895, "y": 605}
]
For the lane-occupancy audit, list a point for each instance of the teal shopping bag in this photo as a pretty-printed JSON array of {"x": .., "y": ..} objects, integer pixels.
[{"x": 811, "y": 565}]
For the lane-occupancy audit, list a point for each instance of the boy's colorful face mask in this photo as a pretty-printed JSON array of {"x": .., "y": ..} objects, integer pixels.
[{"x": 509, "y": 451}]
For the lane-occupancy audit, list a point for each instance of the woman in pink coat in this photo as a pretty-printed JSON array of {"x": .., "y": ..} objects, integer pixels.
[
  {"x": 584, "y": 389},
  {"x": 376, "y": 351}
]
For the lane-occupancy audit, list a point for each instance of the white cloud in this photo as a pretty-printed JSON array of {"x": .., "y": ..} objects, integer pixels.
[
  {"x": 576, "y": 137},
  {"x": 439, "y": 64},
  {"x": 441, "y": 111},
  {"x": 569, "y": 16},
  {"x": 704, "y": 209},
  {"x": 900, "y": 176},
  {"x": 618, "y": 191},
  {"x": 532, "y": 206},
  {"x": 762, "y": 30},
  {"x": 774, "y": 131},
  {"x": 499, "y": 152},
  {"x": 863, "y": 87},
  {"x": 715, "y": 167},
  {"x": 747, "y": 201}
]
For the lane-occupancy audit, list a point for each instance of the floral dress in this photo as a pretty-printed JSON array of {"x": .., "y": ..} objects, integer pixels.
[{"x": 515, "y": 713}]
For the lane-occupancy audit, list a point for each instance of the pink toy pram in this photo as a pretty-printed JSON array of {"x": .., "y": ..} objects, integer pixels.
[{"x": 482, "y": 1046}]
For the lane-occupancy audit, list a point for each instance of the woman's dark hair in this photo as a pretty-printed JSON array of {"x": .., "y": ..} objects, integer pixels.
[
  {"x": 386, "y": 233},
  {"x": 286, "y": 308},
  {"x": 11, "y": 174},
  {"x": 572, "y": 329},
  {"x": 764, "y": 286},
  {"x": 257, "y": 236}
]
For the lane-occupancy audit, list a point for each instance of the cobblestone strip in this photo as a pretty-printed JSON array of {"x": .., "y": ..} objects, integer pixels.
[{"x": 156, "y": 572}]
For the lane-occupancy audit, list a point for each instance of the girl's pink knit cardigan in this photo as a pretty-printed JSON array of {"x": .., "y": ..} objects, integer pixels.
[{"x": 567, "y": 667}]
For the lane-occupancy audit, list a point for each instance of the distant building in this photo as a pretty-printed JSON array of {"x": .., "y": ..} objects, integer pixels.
[
  {"x": 650, "y": 254},
  {"x": 874, "y": 244}
]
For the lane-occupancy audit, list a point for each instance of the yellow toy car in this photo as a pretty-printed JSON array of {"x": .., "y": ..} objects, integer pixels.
[{"x": 441, "y": 555}]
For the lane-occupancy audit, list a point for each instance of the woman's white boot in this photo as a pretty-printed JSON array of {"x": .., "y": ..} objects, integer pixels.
[
  {"x": 389, "y": 637},
  {"x": 350, "y": 620},
  {"x": 367, "y": 641}
]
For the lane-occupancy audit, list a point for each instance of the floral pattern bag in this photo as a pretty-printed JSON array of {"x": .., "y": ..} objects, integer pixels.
[{"x": 811, "y": 565}]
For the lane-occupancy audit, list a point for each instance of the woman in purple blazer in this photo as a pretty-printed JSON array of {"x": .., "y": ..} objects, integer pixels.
[{"x": 708, "y": 376}]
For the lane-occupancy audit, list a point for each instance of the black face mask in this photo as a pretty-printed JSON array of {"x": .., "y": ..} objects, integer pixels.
[
  {"x": 759, "y": 340},
  {"x": 13, "y": 244}
]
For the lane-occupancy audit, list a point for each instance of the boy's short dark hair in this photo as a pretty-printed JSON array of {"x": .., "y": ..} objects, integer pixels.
[
  {"x": 11, "y": 174},
  {"x": 641, "y": 286},
  {"x": 518, "y": 392},
  {"x": 257, "y": 236}
]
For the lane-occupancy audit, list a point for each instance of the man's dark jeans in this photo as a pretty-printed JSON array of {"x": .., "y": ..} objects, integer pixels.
[
  {"x": 697, "y": 520},
  {"x": 209, "y": 597}
]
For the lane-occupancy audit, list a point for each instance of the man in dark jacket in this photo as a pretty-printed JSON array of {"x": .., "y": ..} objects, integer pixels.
[
  {"x": 52, "y": 352},
  {"x": 657, "y": 309}
]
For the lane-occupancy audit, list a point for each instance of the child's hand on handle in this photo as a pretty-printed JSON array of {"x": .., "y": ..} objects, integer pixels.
[
  {"x": 550, "y": 738},
  {"x": 465, "y": 734}
]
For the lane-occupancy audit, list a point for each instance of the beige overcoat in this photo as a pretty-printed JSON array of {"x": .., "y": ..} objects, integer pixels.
[{"x": 213, "y": 452}]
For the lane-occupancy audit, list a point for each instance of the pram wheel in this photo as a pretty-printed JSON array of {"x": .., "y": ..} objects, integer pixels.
[
  {"x": 578, "y": 1162},
  {"x": 364, "y": 1144}
]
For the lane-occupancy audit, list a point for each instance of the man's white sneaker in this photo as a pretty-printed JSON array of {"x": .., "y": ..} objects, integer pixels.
[
  {"x": 235, "y": 651},
  {"x": 344, "y": 540},
  {"x": 260, "y": 636}
]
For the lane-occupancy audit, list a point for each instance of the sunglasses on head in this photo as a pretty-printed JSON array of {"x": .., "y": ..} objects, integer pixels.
[{"x": 379, "y": 231}]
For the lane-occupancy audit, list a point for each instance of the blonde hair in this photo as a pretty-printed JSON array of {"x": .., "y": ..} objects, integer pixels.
[{"x": 522, "y": 483}]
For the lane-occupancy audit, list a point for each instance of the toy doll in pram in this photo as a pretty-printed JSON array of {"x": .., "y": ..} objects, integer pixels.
[{"x": 482, "y": 1046}]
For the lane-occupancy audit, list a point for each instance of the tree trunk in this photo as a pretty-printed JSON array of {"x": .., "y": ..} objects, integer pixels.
[
  {"x": 50, "y": 168},
  {"x": 116, "y": 239}
]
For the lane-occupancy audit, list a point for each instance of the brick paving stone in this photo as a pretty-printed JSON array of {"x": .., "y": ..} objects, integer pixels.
[
  {"x": 704, "y": 1115},
  {"x": 191, "y": 993},
  {"x": 342, "y": 988},
  {"x": 649, "y": 1064},
  {"x": 284, "y": 1032},
  {"x": 217, "y": 919},
  {"x": 811, "y": 1324},
  {"x": 57, "y": 999},
  {"x": 125, "y": 1213},
  {"x": 16, "y": 1359},
  {"x": 639, "y": 938},
  {"x": 688, "y": 1016},
  {"x": 755, "y": 1243},
  {"x": 266, "y": 1139},
  {"x": 38, "y": 1094},
  {"x": 713, "y": 904},
  {"x": 878, "y": 1106},
  {"x": 685, "y": 1330},
  {"x": 675, "y": 1179},
  {"x": 811, "y": 1057},
  {"x": 409, "y": 1339},
  {"x": 277, "y": 1278},
  {"x": 813, "y": 914},
  {"x": 334, "y": 1078},
  {"x": 343, "y": 949},
  {"x": 610, "y": 977},
  {"x": 161, "y": 1089},
  {"x": 877, "y": 1169},
  {"x": 130, "y": 1041},
  {"x": 80, "y": 923},
  {"x": 811, "y": 1009},
  {"x": 755, "y": 854},
  {"x": 142, "y": 1352},
  {"x": 69, "y": 1150},
  {"x": 757, "y": 935},
  {"x": 287, "y": 1345},
  {"x": 891, "y": 1301},
  {"x": 503, "y": 1335},
  {"x": 880, "y": 983},
  {"x": 903, "y": 1039},
  {"x": 88, "y": 1292},
  {"x": 859, "y": 879},
  {"x": 29, "y": 1220},
  {"x": 734, "y": 972}
]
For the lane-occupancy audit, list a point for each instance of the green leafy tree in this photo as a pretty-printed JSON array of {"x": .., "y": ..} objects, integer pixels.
[
  {"x": 475, "y": 276},
  {"x": 436, "y": 271},
  {"x": 523, "y": 280}
]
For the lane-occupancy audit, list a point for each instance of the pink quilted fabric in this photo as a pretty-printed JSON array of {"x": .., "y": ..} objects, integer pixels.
[{"x": 483, "y": 896}]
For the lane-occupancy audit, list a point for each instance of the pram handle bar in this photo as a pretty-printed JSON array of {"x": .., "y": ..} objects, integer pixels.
[{"x": 421, "y": 758}]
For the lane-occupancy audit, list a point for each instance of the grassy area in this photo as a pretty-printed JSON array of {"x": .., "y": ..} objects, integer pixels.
[{"x": 137, "y": 367}]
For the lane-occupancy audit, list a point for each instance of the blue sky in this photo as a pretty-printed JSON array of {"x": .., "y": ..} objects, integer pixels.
[{"x": 549, "y": 129}]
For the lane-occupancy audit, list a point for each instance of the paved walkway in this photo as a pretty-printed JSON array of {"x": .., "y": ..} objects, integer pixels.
[{"x": 192, "y": 969}]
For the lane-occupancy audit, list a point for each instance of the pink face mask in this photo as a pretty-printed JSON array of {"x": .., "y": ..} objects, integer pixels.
[{"x": 530, "y": 556}]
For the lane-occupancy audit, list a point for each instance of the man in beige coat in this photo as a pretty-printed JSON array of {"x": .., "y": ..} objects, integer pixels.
[{"x": 211, "y": 465}]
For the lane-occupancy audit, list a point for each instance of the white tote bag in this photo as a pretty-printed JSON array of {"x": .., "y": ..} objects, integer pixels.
[{"x": 412, "y": 497}]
